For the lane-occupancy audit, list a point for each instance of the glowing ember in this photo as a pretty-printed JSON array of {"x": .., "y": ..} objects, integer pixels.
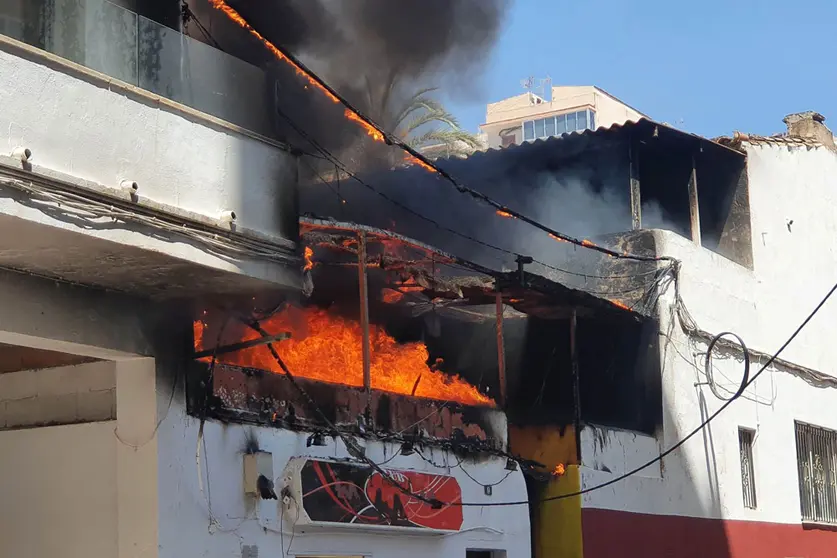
[
  {"x": 390, "y": 296},
  {"x": 621, "y": 305},
  {"x": 225, "y": 8},
  {"x": 308, "y": 253},
  {"x": 558, "y": 238},
  {"x": 558, "y": 470},
  {"x": 505, "y": 214},
  {"x": 371, "y": 130},
  {"x": 416, "y": 161},
  {"x": 587, "y": 243},
  {"x": 328, "y": 348}
]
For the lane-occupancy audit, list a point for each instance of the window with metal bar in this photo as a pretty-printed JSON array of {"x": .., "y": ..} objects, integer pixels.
[
  {"x": 746, "y": 438},
  {"x": 816, "y": 452}
]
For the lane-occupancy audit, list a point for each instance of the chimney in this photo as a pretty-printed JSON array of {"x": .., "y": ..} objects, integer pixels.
[{"x": 809, "y": 125}]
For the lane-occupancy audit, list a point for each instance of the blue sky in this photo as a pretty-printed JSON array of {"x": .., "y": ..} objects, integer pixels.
[{"x": 706, "y": 66}]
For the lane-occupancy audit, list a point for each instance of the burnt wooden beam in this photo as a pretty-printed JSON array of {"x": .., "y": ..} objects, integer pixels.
[
  {"x": 576, "y": 383},
  {"x": 694, "y": 208},
  {"x": 501, "y": 351},
  {"x": 364, "y": 310},
  {"x": 224, "y": 349},
  {"x": 636, "y": 198}
]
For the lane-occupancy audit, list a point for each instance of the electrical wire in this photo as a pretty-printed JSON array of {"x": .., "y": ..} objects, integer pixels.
[
  {"x": 694, "y": 432},
  {"x": 223, "y": 244},
  {"x": 352, "y": 113},
  {"x": 436, "y": 503},
  {"x": 342, "y": 166}
]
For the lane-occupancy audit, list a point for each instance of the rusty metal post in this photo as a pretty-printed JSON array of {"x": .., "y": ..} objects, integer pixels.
[
  {"x": 694, "y": 208},
  {"x": 364, "y": 311},
  {"x": 576, "y": 383},
  {"x": 501, "y": 351},
  {"x": 636, "y": 198}
]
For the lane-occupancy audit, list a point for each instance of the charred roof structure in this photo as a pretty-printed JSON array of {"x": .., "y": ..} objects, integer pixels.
[{"x": 596, "y": 184}]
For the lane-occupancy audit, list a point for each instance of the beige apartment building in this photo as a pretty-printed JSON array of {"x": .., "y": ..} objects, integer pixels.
[{"x": 528, "y": 116}]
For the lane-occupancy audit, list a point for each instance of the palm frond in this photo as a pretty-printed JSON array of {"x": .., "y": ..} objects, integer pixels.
[
  {"x": 416, "y": 102},
  {"x": 444, "y": 137},
  {"x": 429, "y": 117}
]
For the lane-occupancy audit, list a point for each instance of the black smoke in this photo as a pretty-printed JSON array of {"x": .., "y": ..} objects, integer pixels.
[{"x": 377, "y": 53}]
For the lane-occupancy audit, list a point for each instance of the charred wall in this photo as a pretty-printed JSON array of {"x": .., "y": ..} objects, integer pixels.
[
  {"x": 246, "y": 395},
  {"x": 618, "y": 374}
]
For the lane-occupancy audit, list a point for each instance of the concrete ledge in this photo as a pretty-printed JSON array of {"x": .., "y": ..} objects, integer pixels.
[{"x": 63, "y": 65}]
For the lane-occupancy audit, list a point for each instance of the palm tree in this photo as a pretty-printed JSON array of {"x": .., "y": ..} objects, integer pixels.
[{"x": 422, "y": 122}]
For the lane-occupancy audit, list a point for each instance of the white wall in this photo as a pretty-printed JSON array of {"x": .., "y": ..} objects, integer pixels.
[
  {"x": 794, "y": 268},
  {"x": 58, "y": 491},
  {"x": 81, "y": 126},
  {"x": 61, "y": 395},
  {"x": 187, "y": 530}
]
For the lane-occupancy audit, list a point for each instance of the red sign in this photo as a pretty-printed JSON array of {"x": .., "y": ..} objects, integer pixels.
[{"x": 350, "y": 493}]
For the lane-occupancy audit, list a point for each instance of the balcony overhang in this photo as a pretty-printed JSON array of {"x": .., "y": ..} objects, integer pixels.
[{"x": 58, "y": 226}]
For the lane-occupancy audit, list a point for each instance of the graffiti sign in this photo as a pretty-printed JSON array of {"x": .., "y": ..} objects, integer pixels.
[{"x": 351, "y": 493}]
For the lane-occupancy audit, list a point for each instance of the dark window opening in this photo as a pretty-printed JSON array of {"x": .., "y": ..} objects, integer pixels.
[
  {"x": 746, "y": 438},
  {"x": 619, "y": 382},
  {"x": 711, "y": 205},
  {"x": 724, "y": 204}
]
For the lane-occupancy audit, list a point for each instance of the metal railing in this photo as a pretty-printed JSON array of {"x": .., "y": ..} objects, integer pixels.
[
  {"x": 121, "y": 44},
  {"x": 816, "y": 450},
  {"x": 748, "y": 474}
]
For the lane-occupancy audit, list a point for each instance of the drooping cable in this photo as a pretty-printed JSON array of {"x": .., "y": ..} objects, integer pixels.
[
  {"x": 377, "y": 133},
  {"x": 682, "y": 441}
]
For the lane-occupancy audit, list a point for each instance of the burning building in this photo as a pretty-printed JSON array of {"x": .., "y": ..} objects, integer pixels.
[
  {"x": 153, "y": 262},
  {"x": 216, "y": 375},
  {"x": 606, "y": 389}
]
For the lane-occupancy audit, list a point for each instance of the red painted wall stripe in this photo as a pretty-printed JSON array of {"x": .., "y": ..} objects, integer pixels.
[{"x": 608, "y": 533}]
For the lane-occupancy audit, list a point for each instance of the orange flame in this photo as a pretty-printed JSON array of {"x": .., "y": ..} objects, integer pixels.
[
  {"x": 412, "y": 160},
  {"x": 505, "y": 214},
  {"x": 308, "y": 253},
  {"x": 558, "y": 470},
  {"x": 371, "y": 130},
  {"x": 558, "y": 238},
  {"x": 588, "y": 243},
  {"x": 328, "y": 348}
]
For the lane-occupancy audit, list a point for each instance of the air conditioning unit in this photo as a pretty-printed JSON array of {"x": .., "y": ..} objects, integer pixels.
[{"x": 350, "y": 494}]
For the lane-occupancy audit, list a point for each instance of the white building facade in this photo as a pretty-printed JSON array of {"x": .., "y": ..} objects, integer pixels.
[{"x": 760, "y": 479}]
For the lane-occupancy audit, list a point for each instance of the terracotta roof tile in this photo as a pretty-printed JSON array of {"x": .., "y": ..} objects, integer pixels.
[{"x": 739, "y": 138}]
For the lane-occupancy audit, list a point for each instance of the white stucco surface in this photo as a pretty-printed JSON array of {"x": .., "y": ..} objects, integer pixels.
[
  {"x": 87, "y": 129},
  {"x": 794, "y": 268},
  {"x": 234, "y": 521}
]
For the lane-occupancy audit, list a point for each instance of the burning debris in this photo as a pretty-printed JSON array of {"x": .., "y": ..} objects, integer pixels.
[{"x": 328, "y": 348}]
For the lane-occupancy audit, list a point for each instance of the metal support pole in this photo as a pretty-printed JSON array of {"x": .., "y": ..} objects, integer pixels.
[
  {"x": 636, "y": 199},
  {"x": 694, "y": 208},
  {"x": 364, "y": 311},
  {"x": 576, "y": 383},
  {"x": 501, "y": 351}
]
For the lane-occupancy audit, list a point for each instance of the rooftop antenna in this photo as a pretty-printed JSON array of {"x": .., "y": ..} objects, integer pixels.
[
  {"x": 544, "y": 88},
  {"x": 528, "y": 84}
]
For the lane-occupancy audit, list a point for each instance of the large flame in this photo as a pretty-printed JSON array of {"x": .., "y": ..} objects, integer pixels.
[{"x": 328, "y": 348}]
